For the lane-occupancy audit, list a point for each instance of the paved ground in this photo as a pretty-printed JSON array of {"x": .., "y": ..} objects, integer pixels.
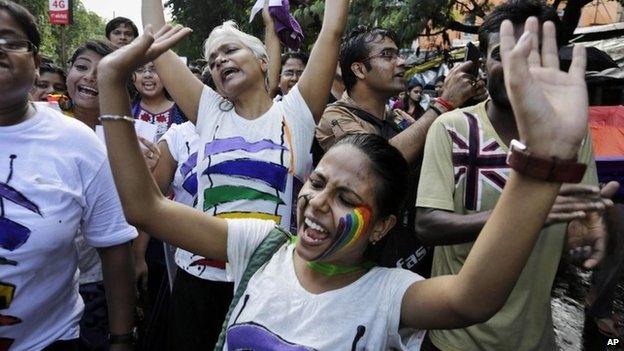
[{"x": 572, "y": 331}]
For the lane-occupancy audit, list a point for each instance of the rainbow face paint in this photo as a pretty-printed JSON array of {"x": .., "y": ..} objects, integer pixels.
[{"x": 350, "y": 229}]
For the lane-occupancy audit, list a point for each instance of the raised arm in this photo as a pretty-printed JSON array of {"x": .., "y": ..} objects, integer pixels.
[
  {"x": 317, "y": 78},
  {"x": 141, "y": 199},
  {"x": 551, "y": 112},
  {"x": 274, "y": 50},
  {"x": 180, "y": 82}
]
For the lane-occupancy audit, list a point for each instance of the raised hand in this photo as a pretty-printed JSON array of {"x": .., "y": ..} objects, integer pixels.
[
  {"x": 550, "y": 105},
  {"x": 460, "y": 86},
  {"x": 266, "y": 16},
  {"x": 144, "y": 49}
]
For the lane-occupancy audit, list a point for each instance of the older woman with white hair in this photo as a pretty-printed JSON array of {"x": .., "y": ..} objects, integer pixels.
[{"x": 254, "y": 154}]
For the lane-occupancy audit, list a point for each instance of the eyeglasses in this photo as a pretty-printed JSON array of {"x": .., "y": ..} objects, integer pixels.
[
  {"x": 145, "y": 70},
  {"x": 291, "y": 73},
  {"x": 387, "y": 54},
  {"x": 17, "y": 45}
]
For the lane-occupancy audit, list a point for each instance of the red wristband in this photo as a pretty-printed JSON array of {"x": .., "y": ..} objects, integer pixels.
[{"x": 447, "y": 105}]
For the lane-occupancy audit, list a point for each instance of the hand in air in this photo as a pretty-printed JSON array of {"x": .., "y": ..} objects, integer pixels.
[
  {"x": 143, "y": 49},
  {"x": 460, "y": 86},
  {"x": 266, "y": 15},
  {"x": 550, "y": 105}
]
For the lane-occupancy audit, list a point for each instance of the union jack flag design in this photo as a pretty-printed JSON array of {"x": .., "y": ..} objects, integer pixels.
[{"x": 478, "y": 160}]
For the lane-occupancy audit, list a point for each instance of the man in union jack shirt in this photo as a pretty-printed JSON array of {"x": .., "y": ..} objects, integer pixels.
[{"x": 463, "y": 173}]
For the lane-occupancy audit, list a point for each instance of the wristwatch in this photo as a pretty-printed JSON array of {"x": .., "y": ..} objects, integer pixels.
[
  {"x": 127, "y": 338},
  {"x": 550, "y": 170}
]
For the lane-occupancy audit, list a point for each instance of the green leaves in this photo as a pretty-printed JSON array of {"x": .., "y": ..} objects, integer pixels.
[{"x": 87, "y": 25}]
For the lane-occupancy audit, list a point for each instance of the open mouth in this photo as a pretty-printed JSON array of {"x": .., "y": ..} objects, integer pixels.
[
  {"x": 400, "y": 75},
  {"x": 88, "y": 91},
  {"x": 313, "y": 234},
  {"x": 149, "y": 86},
  {"x": 226, "y": 73}
]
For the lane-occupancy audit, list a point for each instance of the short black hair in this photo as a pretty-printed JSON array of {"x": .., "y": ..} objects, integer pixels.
[
  {"x": 26, "y": 21},
  {"x": 389, "y": 166},
  {"x": 118, "y": 21},
  {"x": 99, "y": 46},
  {"x": 301, "y": 56},
  {"x": 356, "y": 46},
  {"x": 54, "y": 69},
  {"x": 439, "y": 79},
  {"x": 517, "y": 11}
]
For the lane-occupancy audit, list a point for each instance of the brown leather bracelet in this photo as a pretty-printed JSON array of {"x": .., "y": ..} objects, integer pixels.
[{"x": 550, "y": 170}]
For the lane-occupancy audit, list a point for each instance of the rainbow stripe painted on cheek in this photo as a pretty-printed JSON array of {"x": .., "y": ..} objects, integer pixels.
[{"x": 350, "y": 229}]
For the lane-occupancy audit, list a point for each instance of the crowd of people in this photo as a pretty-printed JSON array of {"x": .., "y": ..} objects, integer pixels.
[{"x": 290, "y": 201}]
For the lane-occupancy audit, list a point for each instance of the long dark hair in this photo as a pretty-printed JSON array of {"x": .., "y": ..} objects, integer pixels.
[{"x": 406, "y": 99}]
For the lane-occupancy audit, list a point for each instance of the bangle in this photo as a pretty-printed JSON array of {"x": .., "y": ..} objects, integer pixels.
[
  {"x": 435, "y": 109},
  {"x": 445, "y": 103},
  {"x": 116, "y": 118},
  {"x": 128, "y": 338}
]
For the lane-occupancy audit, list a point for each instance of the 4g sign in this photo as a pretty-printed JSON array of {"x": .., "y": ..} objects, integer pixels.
[{"x": 60, "y": 12}]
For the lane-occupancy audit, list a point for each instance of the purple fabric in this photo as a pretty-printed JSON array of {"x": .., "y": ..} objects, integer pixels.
[{"x": 286, "y": 26}]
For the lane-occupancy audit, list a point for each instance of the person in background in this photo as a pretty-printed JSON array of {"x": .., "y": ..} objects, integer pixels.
[
  {"x": 152, "y": 103},
  {"x": 411, "y": 102},
  {"x": 56, "y": 186},
  {"x": 85, "y": 107},
  {"x": 372, "y": 72},
  {"x": 121, "y": 31},
  {"x": 438, "y": 86},
  {"x": 51, "y": 80},
  {"x": 293, "y": 64}
]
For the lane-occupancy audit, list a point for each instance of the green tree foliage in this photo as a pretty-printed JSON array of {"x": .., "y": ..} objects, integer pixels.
[
  {"x": 87, "y": 25},
  {"x": 409, "y": 18}
]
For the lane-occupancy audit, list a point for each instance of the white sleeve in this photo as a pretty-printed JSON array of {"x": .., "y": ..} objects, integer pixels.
[
  {"x": 244, "y": 236},
  {"x": 172, "y": 137},
  {"x": 208, "y": 106},
  {"x": 103, "y": 222},
  {"x": 397, "y": 283},
  {"x": 299, "y": 119}
]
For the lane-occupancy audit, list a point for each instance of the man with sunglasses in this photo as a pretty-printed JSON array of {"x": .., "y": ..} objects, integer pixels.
[
  {"x": 372, "y": 72},
  {"x": 464, "y": 170}
]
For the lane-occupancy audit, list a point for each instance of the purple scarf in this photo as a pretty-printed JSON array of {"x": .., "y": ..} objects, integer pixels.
[{"x": 286, "y": 26}]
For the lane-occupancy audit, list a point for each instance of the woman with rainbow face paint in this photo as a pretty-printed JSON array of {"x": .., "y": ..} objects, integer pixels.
[{"x": 296, "y": 300}]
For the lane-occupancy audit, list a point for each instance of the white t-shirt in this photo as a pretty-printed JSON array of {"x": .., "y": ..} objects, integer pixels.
[
  {"x": 183, "y": 143},
  {"x": 277, "y": 313},
  {"x": 253, "y": 168},
  {"x": 54, "y": 180}
]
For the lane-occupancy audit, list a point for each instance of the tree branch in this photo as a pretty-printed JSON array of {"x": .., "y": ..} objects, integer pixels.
[{"x": 460, "y": 27}]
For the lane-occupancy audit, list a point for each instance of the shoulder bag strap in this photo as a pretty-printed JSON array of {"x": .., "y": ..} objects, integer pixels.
[{"x": 263, "y": 253}]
